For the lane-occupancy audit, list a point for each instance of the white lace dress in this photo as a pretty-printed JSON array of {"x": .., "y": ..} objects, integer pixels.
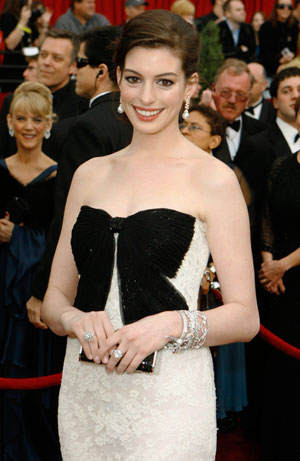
[{"x": 167, "y": 415}]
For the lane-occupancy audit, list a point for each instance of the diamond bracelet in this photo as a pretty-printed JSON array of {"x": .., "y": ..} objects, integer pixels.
[{"x": 193, "y": 336}]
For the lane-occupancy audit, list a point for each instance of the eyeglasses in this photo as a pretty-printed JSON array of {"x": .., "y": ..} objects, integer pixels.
[
  {"x": 192, "y": 127},
  {"x": 82, "y": 62},
  {"x": 239, "y": 96},
  {"x": 281, "y": 6}
]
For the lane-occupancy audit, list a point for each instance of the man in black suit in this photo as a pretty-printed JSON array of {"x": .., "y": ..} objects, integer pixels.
[
  {"x": 55, "y": 65},
  {"x": 281, "y": 139},
  {"x": 259, "y": 107},
  {"x": 215, "y": 15},
  {"x": 229, "y": 96},
  {"x": 236, "y": 37},
  {"x": 97, "y": 132}
]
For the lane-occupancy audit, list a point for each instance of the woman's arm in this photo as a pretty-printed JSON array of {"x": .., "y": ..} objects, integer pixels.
[
  {"x": 14, "y": 38},
  {"x": 58, "y": 311},
  {"x": 228, "y": 235}
]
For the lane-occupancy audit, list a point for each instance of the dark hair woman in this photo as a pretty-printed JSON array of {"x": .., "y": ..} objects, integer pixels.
[
  {"x": 278, "y": 37},
  {"x": 20, "y": 29},
  {"x": 159, "y": 202},
  {"x": 280, "y": 275}
]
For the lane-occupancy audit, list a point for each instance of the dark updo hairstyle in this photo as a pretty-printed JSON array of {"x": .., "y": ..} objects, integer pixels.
[{"x": 161, "y": 29}]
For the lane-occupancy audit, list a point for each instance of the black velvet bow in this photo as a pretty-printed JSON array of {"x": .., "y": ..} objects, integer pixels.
[{"x": 150, "y": 249}]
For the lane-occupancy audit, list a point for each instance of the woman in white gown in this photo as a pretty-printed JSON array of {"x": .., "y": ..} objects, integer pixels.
[{"x": 138, "y": 228}]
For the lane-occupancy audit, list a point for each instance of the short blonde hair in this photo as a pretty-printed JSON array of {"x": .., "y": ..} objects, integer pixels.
[
  {"x": 32, "y": 97},
  {"x": 183, "y": 8}
]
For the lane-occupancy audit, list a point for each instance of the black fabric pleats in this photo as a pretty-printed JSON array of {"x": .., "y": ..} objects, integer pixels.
[{"x": 150, "y": 249}]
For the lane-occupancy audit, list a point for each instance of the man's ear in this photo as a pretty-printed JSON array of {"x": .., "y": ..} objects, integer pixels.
[
  {"x": 72, "y": 68},
  {"x": 275, "y": 103},
  {"x": 102, "y": 71}
]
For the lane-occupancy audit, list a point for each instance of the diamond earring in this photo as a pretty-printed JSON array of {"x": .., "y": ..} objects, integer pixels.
[
  {"x": 186, "y": 114},
  {"x": 120, "y": 107},
  {"x": 47, "y": 134},
  {"x": 11, "y": 132}
]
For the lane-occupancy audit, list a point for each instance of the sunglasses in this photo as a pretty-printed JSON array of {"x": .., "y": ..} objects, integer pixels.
[
  {"x": 281, "y": 6},
  {"x": 82, "y": 62}
]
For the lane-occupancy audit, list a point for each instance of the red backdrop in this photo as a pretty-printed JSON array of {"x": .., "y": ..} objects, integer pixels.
[{"x": 113, "y": 9}]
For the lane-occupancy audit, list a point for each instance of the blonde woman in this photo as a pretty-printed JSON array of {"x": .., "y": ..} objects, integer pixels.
[{"x": 26, "y": 205}]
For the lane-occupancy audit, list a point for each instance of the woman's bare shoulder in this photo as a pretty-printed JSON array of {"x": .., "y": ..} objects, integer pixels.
[{"x": 95, "y": 164}]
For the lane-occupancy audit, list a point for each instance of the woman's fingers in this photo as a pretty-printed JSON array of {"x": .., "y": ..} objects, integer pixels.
[{"x": 92, "y": 331}]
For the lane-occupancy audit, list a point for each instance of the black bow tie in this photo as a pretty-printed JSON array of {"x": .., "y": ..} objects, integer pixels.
[
  {"x": 296, "y": 137},
  {"x": 235, "y": 125}
]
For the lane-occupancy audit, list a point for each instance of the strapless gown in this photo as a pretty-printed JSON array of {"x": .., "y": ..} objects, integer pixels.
[{"x": 146, "y": 263}]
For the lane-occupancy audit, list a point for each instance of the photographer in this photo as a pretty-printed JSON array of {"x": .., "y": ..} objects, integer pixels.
[{"x": 23, "y": 25}]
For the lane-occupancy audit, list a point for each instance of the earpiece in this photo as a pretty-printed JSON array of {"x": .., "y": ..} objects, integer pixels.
[{"x": 99, "y": 73}]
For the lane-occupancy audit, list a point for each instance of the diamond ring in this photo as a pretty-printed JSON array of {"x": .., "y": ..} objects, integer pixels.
[
  {"x": 117, "y": 353},
  {"x": 88, "y": 336}
]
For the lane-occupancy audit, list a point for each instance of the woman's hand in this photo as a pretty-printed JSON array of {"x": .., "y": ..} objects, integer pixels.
[
  {"x": 270, "y": 276},
  {"x": 25, "y": 15},
  {"x": 34, "y": 306},
  {"x": 76, "y": 323},
  {"x": 6, "y": 229},
  {"x": 140, "y": 339}
]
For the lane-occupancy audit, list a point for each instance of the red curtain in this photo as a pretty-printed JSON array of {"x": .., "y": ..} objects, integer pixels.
[{"x": 114, "y": 9}]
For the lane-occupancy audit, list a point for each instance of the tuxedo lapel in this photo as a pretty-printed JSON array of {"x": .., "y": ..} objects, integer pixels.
[{"x": 279, "y": 145}]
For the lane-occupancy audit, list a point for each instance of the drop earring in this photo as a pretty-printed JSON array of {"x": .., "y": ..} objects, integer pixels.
[
  {"x": 186, "y": 114},
  {"x": 47, "y": 134},
  {"x": 11, "y": 132},
  {"x": 120, "y": 107}
]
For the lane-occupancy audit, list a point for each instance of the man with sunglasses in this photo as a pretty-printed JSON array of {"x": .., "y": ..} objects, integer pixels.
[{"x": 97, "y": 132}]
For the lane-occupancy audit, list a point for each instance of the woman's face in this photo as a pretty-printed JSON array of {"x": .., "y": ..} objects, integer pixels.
[
  {"x": 29, "y": 129},
  {"x": 284, "y": 10},
  {"x": 257, "y": 21},
  {"x": 197, "y": 130},
  {"x": 153, "y": 88}
]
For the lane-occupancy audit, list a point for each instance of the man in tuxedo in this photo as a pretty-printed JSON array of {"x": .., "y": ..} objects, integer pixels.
[
  {"x": 258, "y": 107},
  {"x": 236, "y": 36},
  {"x": 231, "y": 91},
  {"x": 281, "y": 139},
  {"x": 97, "y": 132}
]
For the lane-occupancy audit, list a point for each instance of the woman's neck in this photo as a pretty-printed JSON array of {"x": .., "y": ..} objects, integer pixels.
[
  {"x": 161, "y": 144},
  {"x": 27, "y": 157}
]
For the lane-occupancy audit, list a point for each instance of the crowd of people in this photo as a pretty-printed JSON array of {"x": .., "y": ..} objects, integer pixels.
[{"x": 125, "y": 195}]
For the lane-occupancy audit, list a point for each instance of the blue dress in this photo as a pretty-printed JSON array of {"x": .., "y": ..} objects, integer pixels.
[{"x": 25, "y": 351}]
